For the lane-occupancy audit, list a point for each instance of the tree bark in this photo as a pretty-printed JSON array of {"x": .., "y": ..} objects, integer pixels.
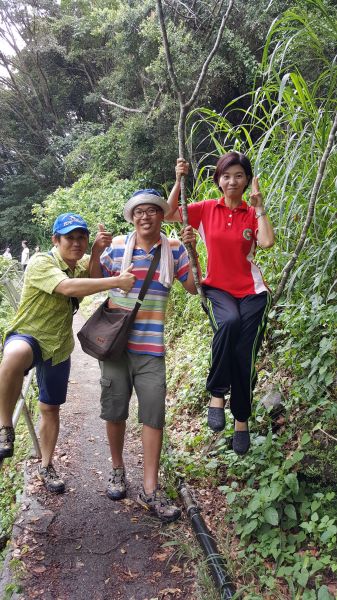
[
  {"x": 126, "y": 108},
  {"x": 310, "y": 213}
]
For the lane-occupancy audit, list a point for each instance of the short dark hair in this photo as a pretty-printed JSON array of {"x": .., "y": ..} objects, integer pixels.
[{"x": 230, "y": 159}]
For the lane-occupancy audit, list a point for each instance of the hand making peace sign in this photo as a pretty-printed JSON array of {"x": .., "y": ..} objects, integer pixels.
[{"x": 256, "y": 198}]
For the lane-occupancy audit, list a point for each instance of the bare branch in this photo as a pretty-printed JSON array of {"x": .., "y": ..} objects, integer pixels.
[
  {"x": 134, "y": 110},
  {"x": 327, "y": 434},
  {"x": 167, "y": 50},
  {"x": 88, "y": 76},
  {"x": 155, "y": 101},
  {"x": 184, "y": 107},
  {"x": 193, "y": 15},
  {"x": 310, "y": 213},
  {"x": 210, "y": 56}
]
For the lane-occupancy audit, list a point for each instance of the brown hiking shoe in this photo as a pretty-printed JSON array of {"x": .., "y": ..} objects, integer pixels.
[
  {"x": 7, "y": 438},
  {"x": 51, "y": 479},
  {"x": 159, "y": 505}
]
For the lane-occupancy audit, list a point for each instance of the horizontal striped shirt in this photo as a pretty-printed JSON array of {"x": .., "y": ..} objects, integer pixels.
[{"x": 147, "y": 333}]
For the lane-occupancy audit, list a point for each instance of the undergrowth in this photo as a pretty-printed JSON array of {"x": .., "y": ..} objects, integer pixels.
[
  {"x": 11, "y": 474},
  {"x": 280, "y": 498},
  {"x": 11, "y": 477}
]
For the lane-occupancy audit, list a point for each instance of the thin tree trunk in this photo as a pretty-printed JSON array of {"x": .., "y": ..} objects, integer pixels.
[
  {"x": 185, "y": 105},
  {"x": 310, "y": 213}
]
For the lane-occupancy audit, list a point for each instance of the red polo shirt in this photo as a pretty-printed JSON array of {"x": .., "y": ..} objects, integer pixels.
[{"x": 230, "y": 239}]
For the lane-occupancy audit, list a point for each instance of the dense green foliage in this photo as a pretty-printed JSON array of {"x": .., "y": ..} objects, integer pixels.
[{"x": 66, "y": 56}]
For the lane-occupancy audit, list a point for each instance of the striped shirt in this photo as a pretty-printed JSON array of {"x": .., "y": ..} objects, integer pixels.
[{"x": 147, "y": 333}]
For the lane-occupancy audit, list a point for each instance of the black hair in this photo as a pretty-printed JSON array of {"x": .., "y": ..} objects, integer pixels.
[{"x": 230, "y": 159}]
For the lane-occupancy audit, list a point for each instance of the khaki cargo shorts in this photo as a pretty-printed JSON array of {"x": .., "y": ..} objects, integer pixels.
[{"x": 143, "y": 372}]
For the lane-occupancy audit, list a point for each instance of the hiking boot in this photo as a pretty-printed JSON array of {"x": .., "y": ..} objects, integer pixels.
[
  {"x": 216, "y": 418},
  {"x": 159, "y": 505},
  {"x": 241, "y": 442},
  {"x": 51, "y": 479},
  {"x": 116, "y": 489},
  {"x": 7, "y": 437}
]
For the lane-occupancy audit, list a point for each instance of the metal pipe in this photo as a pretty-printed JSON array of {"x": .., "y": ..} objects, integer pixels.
[{"x": 214, "y": 560}]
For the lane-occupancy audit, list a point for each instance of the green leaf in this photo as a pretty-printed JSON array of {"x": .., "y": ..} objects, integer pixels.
[
  {"x": 275, "y": 491},
  {"x": 271, "y": 515},
  {"x": 290, "y": 511},
  {"x": 249, "y": 527},
  {"x": 302, "y": 577},
  {"x": 292, "y": 482},
  {"x": 305, "y": 439},
  {"x": 324, "y": 594},
  {"x": 230, "y": 497},
  {"x": 329, "y": 533}
]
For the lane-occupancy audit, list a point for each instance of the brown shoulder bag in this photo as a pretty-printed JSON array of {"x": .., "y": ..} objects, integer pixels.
[{"x": 105, "y": 334}]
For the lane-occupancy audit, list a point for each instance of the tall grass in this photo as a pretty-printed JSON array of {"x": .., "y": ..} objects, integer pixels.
[{"x": 284, "y": 131}]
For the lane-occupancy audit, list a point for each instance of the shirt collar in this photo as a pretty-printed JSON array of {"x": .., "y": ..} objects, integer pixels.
[
  {"x": 153, "y": 249},
  {"x": 242, "y": 206}
]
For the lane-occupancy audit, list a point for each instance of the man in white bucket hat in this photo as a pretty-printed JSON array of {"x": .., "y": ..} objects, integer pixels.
[{"x": 142, "y": 366}]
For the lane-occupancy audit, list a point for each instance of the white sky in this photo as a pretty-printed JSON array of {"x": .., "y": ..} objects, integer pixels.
[{"x": 7, "y": 49}]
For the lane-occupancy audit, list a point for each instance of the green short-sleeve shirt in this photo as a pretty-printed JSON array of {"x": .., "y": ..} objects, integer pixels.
[{"x": 44, "y": 314}]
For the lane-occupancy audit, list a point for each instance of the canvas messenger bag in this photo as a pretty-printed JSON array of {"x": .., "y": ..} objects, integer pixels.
[{"x": 105, "y": 334}]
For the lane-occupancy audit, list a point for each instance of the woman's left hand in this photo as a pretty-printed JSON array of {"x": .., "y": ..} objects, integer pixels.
[{"x": 256, "y": 198}]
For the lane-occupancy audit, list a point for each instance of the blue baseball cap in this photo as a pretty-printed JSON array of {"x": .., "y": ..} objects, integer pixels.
[{"x": 68, "y": 222}]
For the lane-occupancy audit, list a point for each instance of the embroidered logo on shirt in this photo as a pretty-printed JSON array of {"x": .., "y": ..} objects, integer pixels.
[{"x": 247, "y": 234}]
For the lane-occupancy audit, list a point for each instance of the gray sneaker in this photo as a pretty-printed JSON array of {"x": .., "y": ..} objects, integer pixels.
[
  {"x": 116, "y": 489},
  {"x": 7, "y": 438},
  {"x": 51, "y": 479},
  {"x": 159, "y": 505}
]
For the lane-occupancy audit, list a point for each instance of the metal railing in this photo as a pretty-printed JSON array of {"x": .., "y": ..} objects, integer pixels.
[{"x": 10, "y": 286}]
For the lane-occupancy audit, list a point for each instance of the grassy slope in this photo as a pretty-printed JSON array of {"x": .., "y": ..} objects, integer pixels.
[{"x": 278, "y": 501}]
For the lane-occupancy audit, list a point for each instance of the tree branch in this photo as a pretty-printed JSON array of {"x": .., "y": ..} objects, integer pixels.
[
  {"x": 134, "y": 110},
  {"x": 184, "y": 107},
  {"x": 167, "y": 50},
  {"x": 210, "y": 56},
  {"x": 310, "y": 213}
]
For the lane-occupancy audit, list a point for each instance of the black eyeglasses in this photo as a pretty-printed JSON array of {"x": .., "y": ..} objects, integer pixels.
[{"x": 150, "y": 212}]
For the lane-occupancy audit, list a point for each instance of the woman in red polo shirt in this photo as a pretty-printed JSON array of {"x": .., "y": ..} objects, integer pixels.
[{"x": 237, "y": 295}]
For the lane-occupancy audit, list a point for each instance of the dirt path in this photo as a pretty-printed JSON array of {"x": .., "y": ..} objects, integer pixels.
[{"x": 81, "y": 544}]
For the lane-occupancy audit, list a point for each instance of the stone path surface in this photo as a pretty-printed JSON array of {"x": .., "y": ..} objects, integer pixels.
[{"x": 81, "y": 544}]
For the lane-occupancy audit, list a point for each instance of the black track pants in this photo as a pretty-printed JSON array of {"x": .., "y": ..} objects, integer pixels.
[{"x": 240, "y": 325}]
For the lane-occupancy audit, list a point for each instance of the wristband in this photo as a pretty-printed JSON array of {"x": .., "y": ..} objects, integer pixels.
[{"x": 261, "y": 214}]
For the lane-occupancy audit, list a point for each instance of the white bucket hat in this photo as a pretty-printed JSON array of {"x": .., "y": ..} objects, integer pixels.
[{"x": 148, "y": 196}]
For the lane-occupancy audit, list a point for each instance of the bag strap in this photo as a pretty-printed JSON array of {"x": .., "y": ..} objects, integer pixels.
[{"x": 148, "y": 278}]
